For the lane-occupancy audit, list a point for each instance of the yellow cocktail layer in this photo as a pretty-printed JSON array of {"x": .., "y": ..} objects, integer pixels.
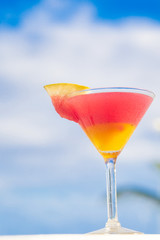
[{"x": 109, "y": 138}]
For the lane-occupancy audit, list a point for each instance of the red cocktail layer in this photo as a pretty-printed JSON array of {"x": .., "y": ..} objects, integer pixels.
[{"x": 96, "y": 108}]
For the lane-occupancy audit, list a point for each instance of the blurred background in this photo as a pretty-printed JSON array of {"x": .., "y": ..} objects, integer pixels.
[{"x": 52, "y": 180}]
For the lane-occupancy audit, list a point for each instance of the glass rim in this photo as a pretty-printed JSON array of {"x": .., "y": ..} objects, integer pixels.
[{"x": 114, "y": 89}]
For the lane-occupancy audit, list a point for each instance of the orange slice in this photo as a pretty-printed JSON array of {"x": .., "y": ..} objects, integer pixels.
[{"x": 59, "y": 94}]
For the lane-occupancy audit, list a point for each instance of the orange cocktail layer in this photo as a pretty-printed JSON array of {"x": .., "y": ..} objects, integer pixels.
[{"x": 109, "y": 138}]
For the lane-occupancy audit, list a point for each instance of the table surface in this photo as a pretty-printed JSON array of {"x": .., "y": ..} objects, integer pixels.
[{"x": 82, "y": 237}]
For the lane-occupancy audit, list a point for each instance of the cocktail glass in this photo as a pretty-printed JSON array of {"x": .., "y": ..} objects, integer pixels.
[{"x": 109, "y": 116}]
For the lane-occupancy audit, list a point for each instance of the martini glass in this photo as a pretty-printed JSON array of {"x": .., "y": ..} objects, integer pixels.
[{"x": 109, "y": 116}]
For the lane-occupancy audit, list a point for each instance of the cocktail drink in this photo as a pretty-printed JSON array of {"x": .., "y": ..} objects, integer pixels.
[{"x": 108, "y": 116}]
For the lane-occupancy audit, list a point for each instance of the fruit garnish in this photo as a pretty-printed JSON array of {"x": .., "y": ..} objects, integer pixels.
[{"x": 60, "y": 93}]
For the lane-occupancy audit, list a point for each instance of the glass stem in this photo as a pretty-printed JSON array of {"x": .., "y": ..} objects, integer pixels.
[{"x": 111, "y": 192}]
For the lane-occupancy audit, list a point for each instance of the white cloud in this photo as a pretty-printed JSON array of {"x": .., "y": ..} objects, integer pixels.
[{"x": 79, "y": 49}]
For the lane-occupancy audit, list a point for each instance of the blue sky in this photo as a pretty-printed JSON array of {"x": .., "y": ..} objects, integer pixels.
[
  {"x": 50, "y": 173},
  {"x": 11, "y": 12}
]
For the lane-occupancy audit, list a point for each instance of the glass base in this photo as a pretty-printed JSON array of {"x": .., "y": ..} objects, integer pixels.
[
  {"x": 114, "y": 228},
  {"x": 119, "y": 230}
]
